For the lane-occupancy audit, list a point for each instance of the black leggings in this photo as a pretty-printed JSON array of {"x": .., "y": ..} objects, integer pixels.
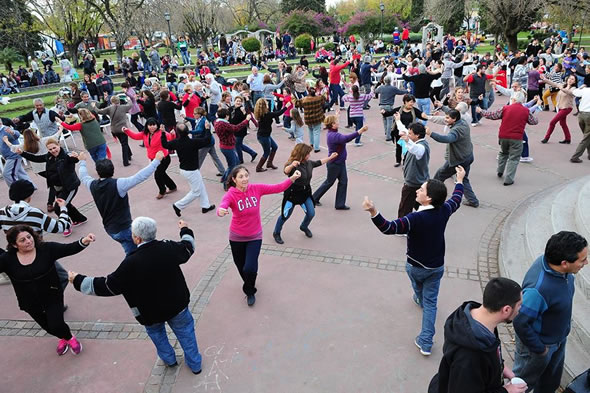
[
  {"x": 162, "y": 178},
  {"x": 51, "y": 319},
  {"x": 125, "y": 149},
  {"x": 246, "y": 259},
  {"x": 136, "y": 123},
  {"x": 68, "y": 196}
]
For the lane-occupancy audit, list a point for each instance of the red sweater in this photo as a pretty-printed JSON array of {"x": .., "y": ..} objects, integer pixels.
[
  {"x": 514, "y": 118},
  {"x": 152, "y": 142},
  {"x": 335, "y": 72},
  {"x": 190, "y": 104},
  {"x": 226, "y": 132}
]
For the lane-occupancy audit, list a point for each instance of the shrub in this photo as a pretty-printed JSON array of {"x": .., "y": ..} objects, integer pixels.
[
  {"x": 251, "y": 44},
  {"x": 303, "y": 42},
  {"x": 329, "y": 46}
]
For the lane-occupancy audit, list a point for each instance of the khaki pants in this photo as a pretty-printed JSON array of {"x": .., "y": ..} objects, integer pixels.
[
  {"x": 584, "y": 122},
  {"x": 509, "y": 157}
]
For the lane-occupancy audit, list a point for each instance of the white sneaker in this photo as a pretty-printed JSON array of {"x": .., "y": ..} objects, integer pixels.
[
  {"x": 526, "y": 159},
  {"x": 359, "y": 144},
  {"x": 474, "y": 124}
]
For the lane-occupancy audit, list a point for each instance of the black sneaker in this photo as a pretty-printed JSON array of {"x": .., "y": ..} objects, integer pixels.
[
  {"x": 277, "y": 237},
  {"x": 343, "y": 208},
  {"x": 197, "y": 372},
  {"x": 172, "y": 365},
  {"x": 207, "y": 209},
  {"x": 306, "y": 231},
  {"x": 250, "y": 299},
  {"x": 253, "y": 157},
  {"x": 176, "y": 210}
]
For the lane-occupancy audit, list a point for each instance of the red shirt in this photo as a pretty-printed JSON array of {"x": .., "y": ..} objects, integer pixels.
[
  {"x": 406, "y": 34},
  {"x": 335, "y": 72},
  {"x": 153, "y": 143},
  {"x": 193, "y": 103}
]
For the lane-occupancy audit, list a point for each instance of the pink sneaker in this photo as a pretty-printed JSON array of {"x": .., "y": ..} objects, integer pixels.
[
  {"x": 62, "y": 346},
  {"x": 75, "y": 345},
  {"x": 67, "y": 232}
]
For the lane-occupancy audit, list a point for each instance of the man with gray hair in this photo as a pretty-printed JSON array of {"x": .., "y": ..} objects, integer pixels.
[
  {"x": 387, "y": 94},
  {"x": 151, "y": 280},
  {"x": 255, "y": 80},
  {"x": 44, "y": 118},
  {"x": 514, "y": 119},
  {"x": 215, "y": 96}
]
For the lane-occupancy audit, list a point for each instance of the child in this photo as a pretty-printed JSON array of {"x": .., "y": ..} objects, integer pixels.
[{"x": 296, "y": 129}]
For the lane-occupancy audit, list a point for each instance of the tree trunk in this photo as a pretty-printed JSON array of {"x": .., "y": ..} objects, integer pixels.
[
  {"x": 512, "y": 39},
  {"x": 120, "y": 52},
  {"x": 73, "y": 49}
]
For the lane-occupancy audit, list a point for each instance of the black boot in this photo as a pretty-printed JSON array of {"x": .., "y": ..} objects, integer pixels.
[{"x": 277, "y": 237}]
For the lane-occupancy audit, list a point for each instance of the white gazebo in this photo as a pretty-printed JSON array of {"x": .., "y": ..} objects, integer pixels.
[{"x": 432, "y": 32}]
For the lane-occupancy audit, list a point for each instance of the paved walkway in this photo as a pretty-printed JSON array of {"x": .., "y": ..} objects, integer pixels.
[{"x": 333, "y": 313}]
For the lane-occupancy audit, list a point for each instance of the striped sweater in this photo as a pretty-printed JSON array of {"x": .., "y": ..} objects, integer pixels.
[
  {"x": 357, "y": 104},
  {"x": 426, "y": 231},
  {"x": 21, "y": 213}
]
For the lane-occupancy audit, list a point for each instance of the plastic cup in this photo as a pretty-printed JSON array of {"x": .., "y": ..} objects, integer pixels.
[{"x": 517, "y": 381}]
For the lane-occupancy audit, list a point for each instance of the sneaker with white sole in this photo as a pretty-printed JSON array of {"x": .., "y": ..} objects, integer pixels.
[
  {"x": 358, "y": 144},
  {"x": 75, "y": 345},
  {"x": 67, "y": 232},
  {"x": 78, "y": 223},
  {"x": 62, "y": 346},
  {"x": 422, "y": 351},
  {"x": 526, "y": 159}
]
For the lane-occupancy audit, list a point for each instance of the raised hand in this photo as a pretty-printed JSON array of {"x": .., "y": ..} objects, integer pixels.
[
  {"x": 71, "y": 276},
  {"x": 333, "y": 156},
  {"x": 88, "y": 239},
  {"x": 363, "y": 129},
  {"x": 160, "y": 155},
  {"x": 460, "y": 173},
  {"x": 222, "y": 212},
  {"x": 295, "y": 176},
  {"x": 82, "y": 156},
  {"x": 60, "y": 202},
  {"x": 74, "y": 154},
  {"x": 182, "y": 224},
  {"x": 368, "y": 204},
  {"x": 295, "y": 164},
  {"x": 397, "y": 116}
]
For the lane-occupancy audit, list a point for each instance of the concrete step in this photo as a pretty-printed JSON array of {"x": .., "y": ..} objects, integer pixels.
[
  {"x": 582, "y": 217},
  {"x": 523, "y": 239}
]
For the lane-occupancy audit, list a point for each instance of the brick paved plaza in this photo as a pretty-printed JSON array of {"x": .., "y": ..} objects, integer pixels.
[{"x": 333, "y": 314}]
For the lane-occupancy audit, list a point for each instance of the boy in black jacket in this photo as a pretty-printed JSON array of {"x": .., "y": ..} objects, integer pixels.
[{"x": 472, "y": 360}]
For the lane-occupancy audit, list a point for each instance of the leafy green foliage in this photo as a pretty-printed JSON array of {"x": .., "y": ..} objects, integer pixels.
[
  {"x": 298, "y": 22},
  {"x": 303, "y": 42},
  {"x": 251, "y": 44},
  {"x": 308, "y": 5},
  {"x": 8, "y": 56},
  {"x": 17, "y": 28}
]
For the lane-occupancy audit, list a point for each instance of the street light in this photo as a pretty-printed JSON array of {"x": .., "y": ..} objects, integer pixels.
[
  {"x": 170, "y": 46},
  {"x": 382, "y": 8}
]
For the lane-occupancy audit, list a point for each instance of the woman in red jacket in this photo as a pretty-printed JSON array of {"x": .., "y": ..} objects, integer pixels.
[{"x": 151, "y": 140}]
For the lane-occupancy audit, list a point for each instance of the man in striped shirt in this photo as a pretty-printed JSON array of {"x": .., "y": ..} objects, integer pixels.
[{"x": 426, "y": 246}]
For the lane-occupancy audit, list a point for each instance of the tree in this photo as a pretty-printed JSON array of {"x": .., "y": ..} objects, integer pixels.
[
  {"x": 308, "y": 5},
  {"x": 511, "y": 16},
  {"x": 118, "y": 15},
  {"x": 417, "y": 14},
  {"x": 568, "y": 13},
  {"x": 200, "y": 20},
  {"x": 69, "y": 20},
  {"x": 298, "y": 22},
  {"x": 249, "y": 12},
  {"x": 303, "y": 42},
  {"x": 251, "y": 44},
  {"x": 17, "y": 28},
  {"x": 8, "y": 56}
]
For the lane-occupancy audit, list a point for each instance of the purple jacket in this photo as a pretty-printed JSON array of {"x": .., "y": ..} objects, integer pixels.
[
  {"x": 133, "y": 101},
  {"x": 337, "y": 143}
]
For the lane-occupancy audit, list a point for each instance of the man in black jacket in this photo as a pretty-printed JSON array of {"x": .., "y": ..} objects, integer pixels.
[
  {"x": 188, "y": 156},
  {"x": 151, "y": 280},
  {"x": 472, "y": 359}
]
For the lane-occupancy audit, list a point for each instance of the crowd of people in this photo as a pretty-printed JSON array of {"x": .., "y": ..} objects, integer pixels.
[{"x": 189, "y": 115}]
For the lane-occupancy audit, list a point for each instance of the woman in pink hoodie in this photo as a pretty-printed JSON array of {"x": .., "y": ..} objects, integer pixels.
[{"x": 245, "y": 230}]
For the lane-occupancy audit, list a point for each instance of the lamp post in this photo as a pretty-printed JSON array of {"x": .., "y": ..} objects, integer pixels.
[
  {"x": 170, "y": 46},
  {"x": 382, "y": 8}
]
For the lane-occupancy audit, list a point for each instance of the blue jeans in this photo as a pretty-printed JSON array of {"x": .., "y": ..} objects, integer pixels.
[
  {"x": 98, "y": 152},
  {"x": 256, "y": 95},
  {"x": 335, "y": 93},
  {"x": 475, "y": 102},
  {"x": 211, "y": 115},
  {"x": 488, "y": 99},
  {"x": 314, "y": 135},
  {"x": 240, "y": 146},
  {"x": 424, "y": 105},
  {"x": 186, "y": 59},
  {"x": 125, "y": 239},
  {"x": 183, "y": 326},
  {"x": 268, "y": 144},
  {"x": 542, "y": 373},
  {"x": 525, "y": 145},
  {"x": 232, "y": 160},
  {"x": 426, "y": 283},
  {"x": 336, "y": 171},
  {"x": 358, "y": 124},
  {"x": 307, "y": 207}
]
